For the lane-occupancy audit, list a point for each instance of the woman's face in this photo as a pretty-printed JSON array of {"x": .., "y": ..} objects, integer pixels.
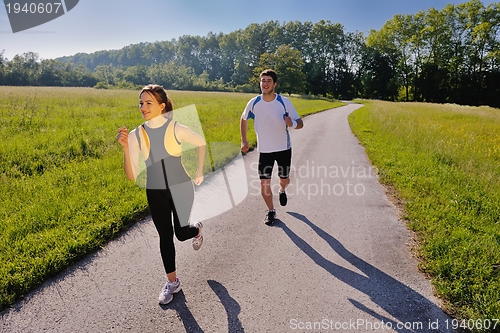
[{"x": 150, "y": 108}]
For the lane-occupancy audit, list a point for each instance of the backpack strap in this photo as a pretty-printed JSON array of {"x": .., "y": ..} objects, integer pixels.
[
  {"x": 251, "y": 115},
  {"x": 279, "y": 99}
]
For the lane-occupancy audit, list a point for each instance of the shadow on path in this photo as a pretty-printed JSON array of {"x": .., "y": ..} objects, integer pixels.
[
  {"x": 230, "y": 304},
  {"x": 403, "y": 303},
  {"x": 179, "y": 304}
]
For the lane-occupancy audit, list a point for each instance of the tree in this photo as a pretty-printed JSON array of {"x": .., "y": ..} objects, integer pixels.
[
  {"x": 22, "y": 69},
  {"x": 105, "y": 73},
  {"x": 159, "y": 52},
  {"x": 297, "y": 35},
  {"x": 381, "y": 76},
  {"x": 252, "y": 42},
  {"x": 137, "y": 75},
  {"x": 230, "y": 52},
  {"x": 50, "y": 73},
  {"x": 397, "y": 34},
  {"x": 78, "y": 76},
  {"x": 324, "y": 60},
  {"x": 188, "y": 52},
  {"x": 288, "y": 64},
  {"x": 211, "y": 56},
  {"x": 3, "y": 61},
  {"x": 351, "y": 65},
  {"x": 432, "y": 82}
]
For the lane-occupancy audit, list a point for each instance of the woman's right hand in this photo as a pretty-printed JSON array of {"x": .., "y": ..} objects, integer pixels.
[
  {"x": 122, "y": 136},
  {"x": 198, "y": 179}
]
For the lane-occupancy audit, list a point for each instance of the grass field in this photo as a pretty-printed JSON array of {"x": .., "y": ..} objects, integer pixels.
[
  {"x": 63, "y": 190},
  {"x": 444, "y": 163}
]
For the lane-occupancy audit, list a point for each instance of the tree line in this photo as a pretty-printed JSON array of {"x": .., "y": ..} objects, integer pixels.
[{"x": 450, "y": 55}]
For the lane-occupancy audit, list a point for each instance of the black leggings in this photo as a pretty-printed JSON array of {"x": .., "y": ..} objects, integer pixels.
[{"x": 162, "y": 208}]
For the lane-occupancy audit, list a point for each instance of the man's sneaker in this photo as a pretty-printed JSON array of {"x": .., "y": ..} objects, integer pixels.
[
  {"x": 270, "y": 216},
  {"x": 198, "y": 240},
  {"x": 283, "y": 198},
  {"x": 168, "y": 291}
]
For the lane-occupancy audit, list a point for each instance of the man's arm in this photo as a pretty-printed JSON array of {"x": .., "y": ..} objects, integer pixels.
[
  {"x": 293, "y": 120},
  {"x": 300, "y": 123},
  {"x": 297, "y": 123},
  {"x": 243, "y": 131}
]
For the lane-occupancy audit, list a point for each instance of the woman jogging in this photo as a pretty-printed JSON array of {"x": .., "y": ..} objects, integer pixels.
[{"x": 169, "y": 189}]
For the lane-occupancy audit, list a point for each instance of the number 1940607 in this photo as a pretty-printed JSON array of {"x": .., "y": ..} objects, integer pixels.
[
  {"x": 471, "y": 324},
  {"x": 33, "y": 8}
]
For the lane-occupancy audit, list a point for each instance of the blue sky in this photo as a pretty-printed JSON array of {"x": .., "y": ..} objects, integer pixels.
[{"x": 104, "y": 24}]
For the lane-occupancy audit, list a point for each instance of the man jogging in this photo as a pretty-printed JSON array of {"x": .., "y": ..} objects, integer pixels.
[{"x": 273, "y": 115}]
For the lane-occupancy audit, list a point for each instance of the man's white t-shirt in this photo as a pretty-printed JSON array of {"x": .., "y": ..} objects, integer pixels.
[{"x": 272, "y": 132}]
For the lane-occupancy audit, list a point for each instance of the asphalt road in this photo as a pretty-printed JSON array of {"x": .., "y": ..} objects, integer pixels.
[{"x": 337, "y": 260}]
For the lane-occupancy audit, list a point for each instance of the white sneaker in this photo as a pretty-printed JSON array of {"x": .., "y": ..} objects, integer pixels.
[
  {"x": 198, "y": 240},
  {"x": 168, "y": 291}
]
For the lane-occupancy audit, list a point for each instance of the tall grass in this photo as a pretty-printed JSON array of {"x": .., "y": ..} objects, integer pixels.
[
  {"x": 62, "y": 187},
  {"x": 444, "y": 162}
]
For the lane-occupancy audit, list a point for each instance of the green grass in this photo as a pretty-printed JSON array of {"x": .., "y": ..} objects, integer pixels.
[
  {"x": 444, "y": 162},
  {"x": 63, "y": 190}
]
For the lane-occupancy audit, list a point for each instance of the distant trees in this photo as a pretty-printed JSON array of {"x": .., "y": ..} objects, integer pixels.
[
  {"x": 3, "y": 62},
  {"x": 28, "y": 70},
  {"x": 451, "y": 55},
  {"x": 289, "y": 64},
  {"x": 440, "y": 56}
]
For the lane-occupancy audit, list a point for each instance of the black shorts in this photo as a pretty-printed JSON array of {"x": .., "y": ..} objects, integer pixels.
[{"x": 282, "y": 158}]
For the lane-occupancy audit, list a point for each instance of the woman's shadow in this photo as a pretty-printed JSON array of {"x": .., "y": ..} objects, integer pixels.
[
  {"x": 403, "y": 303},
  {"x": 231, "y": 306},
  {"x": 179, "y": 305}
]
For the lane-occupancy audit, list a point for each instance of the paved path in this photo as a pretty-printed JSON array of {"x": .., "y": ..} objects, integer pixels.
[{"x": 338, "y": 260}]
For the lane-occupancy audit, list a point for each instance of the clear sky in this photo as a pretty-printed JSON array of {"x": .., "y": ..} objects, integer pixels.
[{"x": 95, "y": 25}]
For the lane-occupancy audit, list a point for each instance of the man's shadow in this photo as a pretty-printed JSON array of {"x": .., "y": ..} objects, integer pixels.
[
  {"x": 397, "y": 299},
  {"x": 231, "y": 306}
]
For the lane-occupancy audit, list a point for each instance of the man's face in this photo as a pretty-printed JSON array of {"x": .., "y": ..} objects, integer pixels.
[{"x": 267, "y": 84}]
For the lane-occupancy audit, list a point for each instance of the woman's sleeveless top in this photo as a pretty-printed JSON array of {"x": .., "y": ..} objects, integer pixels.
[{"x": 162, "y": 154}]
